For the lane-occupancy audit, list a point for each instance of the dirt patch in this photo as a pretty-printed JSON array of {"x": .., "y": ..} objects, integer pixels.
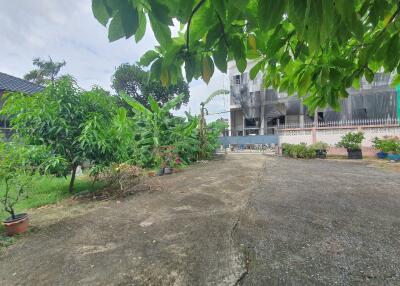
[{"x": 179, "y": 235}]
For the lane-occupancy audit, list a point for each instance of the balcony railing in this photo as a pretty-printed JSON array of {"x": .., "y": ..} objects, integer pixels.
[{"x": 343, "y": 123}]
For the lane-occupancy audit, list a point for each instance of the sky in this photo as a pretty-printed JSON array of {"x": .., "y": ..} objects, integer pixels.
[{"x": 66, "y": 30}]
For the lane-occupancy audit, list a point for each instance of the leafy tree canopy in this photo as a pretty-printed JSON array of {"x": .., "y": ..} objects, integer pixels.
[
  {"x": 76, "y": 125},
  {"x": 45, "y": 71},
  {"x": 136, "y": 82},
  {"x": 316, "y": 48}
]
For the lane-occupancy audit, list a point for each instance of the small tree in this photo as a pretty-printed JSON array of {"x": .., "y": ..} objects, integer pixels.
[
  {"x": 46, "y": 71},
  {"x": 15, "y": 175},
  {"x": 65, "y": 118}
]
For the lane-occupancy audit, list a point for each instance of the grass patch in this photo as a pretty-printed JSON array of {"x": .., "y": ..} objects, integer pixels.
[{"x": 49, "y": 190}]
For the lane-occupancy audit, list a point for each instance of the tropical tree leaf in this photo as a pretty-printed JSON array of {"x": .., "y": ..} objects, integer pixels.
[{"x": 208, "y": 68}]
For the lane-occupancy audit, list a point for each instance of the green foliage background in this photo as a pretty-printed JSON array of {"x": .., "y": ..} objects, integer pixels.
[{"x": 316, "y": 48}]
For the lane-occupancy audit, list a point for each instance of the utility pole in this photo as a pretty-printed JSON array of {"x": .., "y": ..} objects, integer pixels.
[
  {"x": 202, "y": 130},
  {"x": 203, "y": 124}
]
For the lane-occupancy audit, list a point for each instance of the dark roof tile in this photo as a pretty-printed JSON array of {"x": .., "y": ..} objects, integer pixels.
[{"x": 12, "y": 83}]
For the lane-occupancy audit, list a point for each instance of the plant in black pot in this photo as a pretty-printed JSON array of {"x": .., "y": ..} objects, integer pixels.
[
  {"x": 15, "y": 178},
  {"x": 352, "y": 142},
  {"x": 320, "y": 149},
  {"x": 388, "y": 146}
]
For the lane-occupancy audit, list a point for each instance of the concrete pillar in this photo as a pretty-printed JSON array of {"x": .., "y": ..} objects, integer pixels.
[
  {"x": 314, "y": 129},
  {"x": 262, "y": 125},
  {"x": 244, "y": 125},
  {"x": 301, "y": 116},
  {"x": 232, "y": 123},
  {"x": 349, "y": 107}
]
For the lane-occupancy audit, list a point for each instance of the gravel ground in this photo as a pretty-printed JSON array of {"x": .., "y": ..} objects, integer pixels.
[
  {"x": 238, "y": 220},
  {"x": 322, "y": 222}
]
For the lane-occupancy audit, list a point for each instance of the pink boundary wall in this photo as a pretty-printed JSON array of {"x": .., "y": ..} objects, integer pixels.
[
  {"x": 336, "y": 151},
  {"x": 332, "y": 135}
]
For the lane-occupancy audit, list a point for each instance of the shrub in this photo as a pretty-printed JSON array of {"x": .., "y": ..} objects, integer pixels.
[
  {"x": 387, "y": 144},
  {"x": 298, "y": 151},
  {"x": 351, "y": 141},
  {"x": 320, "y": 146}
]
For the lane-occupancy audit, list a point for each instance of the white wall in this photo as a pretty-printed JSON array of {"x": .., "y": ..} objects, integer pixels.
[{"x": 333, "y": 135}]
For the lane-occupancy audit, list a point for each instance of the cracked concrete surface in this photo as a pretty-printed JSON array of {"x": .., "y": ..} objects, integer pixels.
[{"x": 238, "y": 220}]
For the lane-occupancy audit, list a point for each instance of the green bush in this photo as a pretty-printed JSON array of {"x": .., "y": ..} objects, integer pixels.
[
  {"x": 387, "y": 144},
  {"x": 298, "y": 151},
  {"x": 320, "y": 146},
  {"x": 351, "y": 141}
]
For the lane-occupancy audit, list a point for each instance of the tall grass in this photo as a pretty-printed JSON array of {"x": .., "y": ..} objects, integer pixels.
[{"x": 46, "y": 190}]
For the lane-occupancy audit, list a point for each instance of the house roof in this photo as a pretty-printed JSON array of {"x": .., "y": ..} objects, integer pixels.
[{"x": 12, "y": 83}]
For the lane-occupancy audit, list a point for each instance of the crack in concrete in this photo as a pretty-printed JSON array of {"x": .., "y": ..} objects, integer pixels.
[
  {"x": 246, "y": 265},
  {"x": 245, "y": 250}
]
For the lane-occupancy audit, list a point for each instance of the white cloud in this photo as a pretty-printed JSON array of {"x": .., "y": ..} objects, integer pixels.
[{"x": 66, "y": 30}]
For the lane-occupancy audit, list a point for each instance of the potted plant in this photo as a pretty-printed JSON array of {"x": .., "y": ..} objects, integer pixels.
[
  {"x": 167, "y": 159},
  {"x": 320, "y": 149},
  {"x": 15, "y": 189},
  {"x": 352, "y": 142},
  {"x": 383, "y": 146},
  {"x": 392, "y": 145},
  {"x": 15, "y": 176},
  {"x": 395, "y": 155},
  {"x": 379, "y": 145},
  {"x": 388, "y": 146}
]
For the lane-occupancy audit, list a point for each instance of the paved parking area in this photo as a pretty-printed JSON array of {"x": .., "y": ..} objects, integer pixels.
[{"x": 238, "y": 220}]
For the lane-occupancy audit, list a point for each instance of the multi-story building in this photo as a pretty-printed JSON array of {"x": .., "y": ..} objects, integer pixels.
[{"x": 255, "y": 110}]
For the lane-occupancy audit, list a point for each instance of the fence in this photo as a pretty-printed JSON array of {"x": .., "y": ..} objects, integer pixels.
[
  {"x": 343, "y": 123},
  {"x": 332, "y": 132},
  {"x": 249, "y": 140},
  {"x": 328, "y": 132}
]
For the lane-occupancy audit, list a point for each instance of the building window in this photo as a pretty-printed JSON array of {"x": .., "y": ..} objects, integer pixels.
[
  {"x": 320, "y": 117},
  {"x": 237, "y": 79}
]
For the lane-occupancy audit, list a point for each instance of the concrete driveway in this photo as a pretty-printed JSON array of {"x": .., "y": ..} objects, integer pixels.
[{"x": 239, "y": 220}]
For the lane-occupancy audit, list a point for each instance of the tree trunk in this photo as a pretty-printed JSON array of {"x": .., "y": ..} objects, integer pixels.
[{"x": 71, "y": 183}]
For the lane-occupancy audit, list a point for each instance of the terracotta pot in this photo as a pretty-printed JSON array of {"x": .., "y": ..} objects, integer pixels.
[
  {"x": 18, "y": 225},
  {"x": 152, "y": 174}
]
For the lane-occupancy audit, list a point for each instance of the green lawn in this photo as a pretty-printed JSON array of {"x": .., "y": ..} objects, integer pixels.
[{"x": 48, "y": 190}]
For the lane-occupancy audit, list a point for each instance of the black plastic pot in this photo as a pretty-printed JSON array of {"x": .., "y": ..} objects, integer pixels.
[
  {"x": 354, "y": 154},
  {"x": 321, "y": 154}
]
